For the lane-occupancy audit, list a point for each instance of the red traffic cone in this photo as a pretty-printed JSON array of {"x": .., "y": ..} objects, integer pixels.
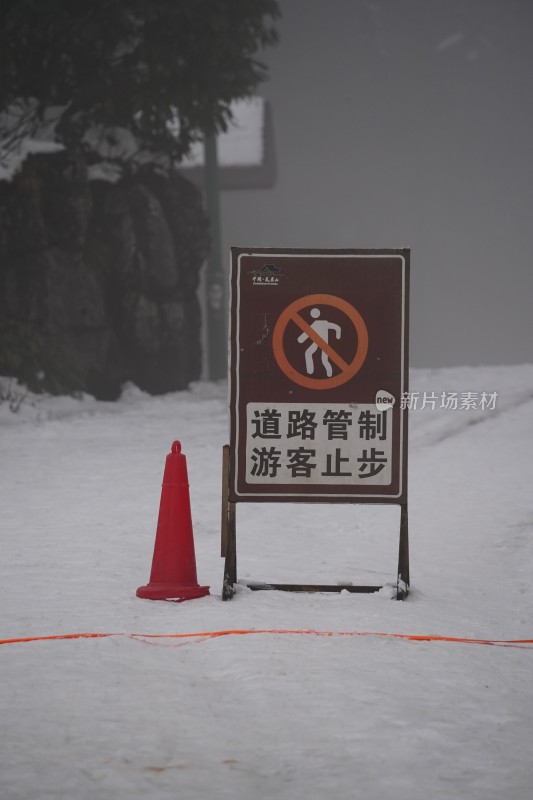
[{"x": 173, "y": 575}]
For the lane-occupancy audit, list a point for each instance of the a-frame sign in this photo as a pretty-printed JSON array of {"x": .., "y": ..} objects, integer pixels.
[{"x": 318, "y": 367}]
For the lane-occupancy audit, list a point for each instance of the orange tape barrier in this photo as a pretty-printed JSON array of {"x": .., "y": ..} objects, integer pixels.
[{"x": 526, "y": 644}]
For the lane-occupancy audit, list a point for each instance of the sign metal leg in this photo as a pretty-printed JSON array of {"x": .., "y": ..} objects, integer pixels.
[
  {"x": 225, "y": 501},
  {"x": 403, "y": 556},
  {"x": 228, "y": 544},
  {"x": 230, "y": 565}
]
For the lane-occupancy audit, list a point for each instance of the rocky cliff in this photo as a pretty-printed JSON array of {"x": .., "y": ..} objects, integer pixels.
[{"x": 98, "y": 280}]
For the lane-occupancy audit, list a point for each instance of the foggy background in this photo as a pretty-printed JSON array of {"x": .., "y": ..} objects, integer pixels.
[{"x": 409, "y": 123}]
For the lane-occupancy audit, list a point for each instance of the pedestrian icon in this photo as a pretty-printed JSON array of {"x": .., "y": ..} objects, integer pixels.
[
  {"x": 322, "y": 327},
  {"x": 318, "y": 334}
]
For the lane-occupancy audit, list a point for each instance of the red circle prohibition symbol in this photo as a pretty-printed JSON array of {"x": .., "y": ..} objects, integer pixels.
[{"x": 292, "y": 314}]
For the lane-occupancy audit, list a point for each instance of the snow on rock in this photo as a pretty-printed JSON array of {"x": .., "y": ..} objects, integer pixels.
[{"x": 38, "y": 139}]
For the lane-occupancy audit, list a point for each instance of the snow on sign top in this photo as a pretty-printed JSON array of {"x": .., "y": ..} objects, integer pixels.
[{"x": 319, "y": 362}]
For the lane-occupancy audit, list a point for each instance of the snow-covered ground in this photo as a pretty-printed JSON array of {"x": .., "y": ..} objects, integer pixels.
[{"x": 267, "y": 715}]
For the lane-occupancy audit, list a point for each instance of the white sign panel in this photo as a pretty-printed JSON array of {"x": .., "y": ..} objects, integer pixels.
[{"x": 318, "y": 443}]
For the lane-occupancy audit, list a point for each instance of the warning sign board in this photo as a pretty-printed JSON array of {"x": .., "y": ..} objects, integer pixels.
[{"x": 318, "y": 367}]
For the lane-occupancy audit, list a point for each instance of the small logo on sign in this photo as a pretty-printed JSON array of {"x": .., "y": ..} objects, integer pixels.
[
  {"x": 384, "y": 400},
  {"x": 267, "y": 275}
]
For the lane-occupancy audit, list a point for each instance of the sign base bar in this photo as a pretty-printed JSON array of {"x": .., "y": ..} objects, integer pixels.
[{"x": 309, "y": 587}]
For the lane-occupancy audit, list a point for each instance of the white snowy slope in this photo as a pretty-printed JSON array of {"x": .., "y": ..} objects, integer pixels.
[{"x": 265, "y": 715}]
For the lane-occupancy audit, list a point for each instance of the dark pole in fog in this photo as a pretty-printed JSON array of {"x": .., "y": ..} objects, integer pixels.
[{"x": 215, "y": 279}]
